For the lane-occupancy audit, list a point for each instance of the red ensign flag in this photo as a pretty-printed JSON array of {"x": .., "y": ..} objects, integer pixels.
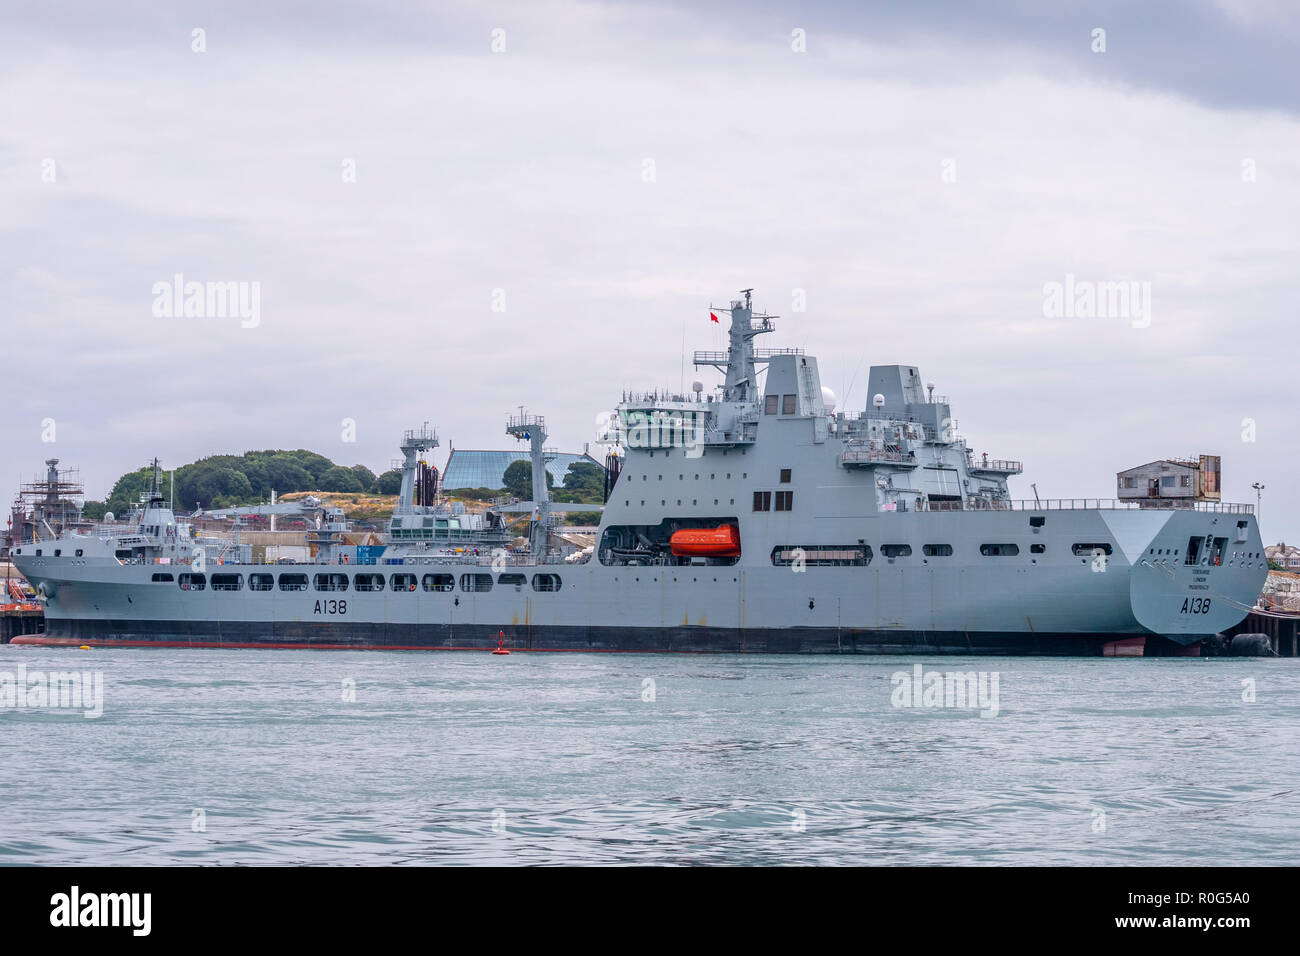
[{"x": 713, "y": 318}]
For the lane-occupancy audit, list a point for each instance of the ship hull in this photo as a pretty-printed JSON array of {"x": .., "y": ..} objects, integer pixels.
[
  {"x": 1063, "y": 600},
  {"x": 606, "y": 639}
]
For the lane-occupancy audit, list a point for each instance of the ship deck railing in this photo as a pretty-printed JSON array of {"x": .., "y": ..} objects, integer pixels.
[
  {"x": 859, "y": 455},
  {"x": 997, "y": 466},
  {"x": 1086, "y": 504}
]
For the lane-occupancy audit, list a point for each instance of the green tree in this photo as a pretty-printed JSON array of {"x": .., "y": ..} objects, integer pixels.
[
  {"x": 284, "y": 475},
  {"x": 587, "y": 480},
  {"x": 365, "y": 476},
  {"x": 518, "y": 479},
  {"x": 341, "y": 479},
  {"x": 389, "y": 483}
]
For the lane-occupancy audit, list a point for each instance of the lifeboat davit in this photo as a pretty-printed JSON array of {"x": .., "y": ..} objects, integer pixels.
[{"x": 720, "y": 542}]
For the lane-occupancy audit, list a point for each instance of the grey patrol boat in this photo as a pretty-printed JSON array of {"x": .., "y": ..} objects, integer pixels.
[{"x": 752, "y": 519}]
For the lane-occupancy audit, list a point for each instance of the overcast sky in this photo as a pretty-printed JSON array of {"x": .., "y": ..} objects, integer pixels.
[{"x": 921, "y": 174}]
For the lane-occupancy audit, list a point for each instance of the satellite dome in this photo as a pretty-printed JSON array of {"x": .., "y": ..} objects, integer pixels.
[
  {"x": 878, "y": 400},
  {"x": 108, "y": 516}
]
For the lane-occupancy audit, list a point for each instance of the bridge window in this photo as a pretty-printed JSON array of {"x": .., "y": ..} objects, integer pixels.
[
  {"x": 193, "y": 582},
  {"x": 260, "y": 582},
  {"x": 163, "y": 576},
  {"x": 937, "y": 550},
  {"x": 896, "y": 550},
  {"x": 331, "y": 582},
  {"x": 402, "y": 582},
  {"x": 546, "y": 582},
  {"x": 476, "y": 582},
  {"x": 785, "y": 501},
  {"x": 367, "y": 582},
  {"x": 439, "y": 582},
  {"x": 227, "y": 582},
  {"x": 293, "y": 582},
  {"x": 762, "y": 501},
  {"x": 999, "y": 550}
]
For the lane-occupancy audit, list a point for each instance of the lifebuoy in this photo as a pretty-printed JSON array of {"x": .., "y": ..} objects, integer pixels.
[{"x": 411, "y": 588}]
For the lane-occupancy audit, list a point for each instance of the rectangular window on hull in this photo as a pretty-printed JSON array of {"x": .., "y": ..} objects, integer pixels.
[
  {"x": 1205, "y": 551},
  {"x": 1089, "y": 549},
  {"x": 439, "y": 582},
  {"x": 999, "y": 550},
  {"x": 784, "y": 500},
  {"x": 193, "y": 582},
  {"x": 1037, "y": 549},
  {"x": 937, "y": 550},
  {"x": 293, "y": 582},
  {"x": 762, "y": 501},
  {"x": 331, "y": 582},
  {"x": 367, "y": 582},
  {"x": 769, "y": 405},
  {"x": 476, "y": 582},
  {"x": 546, "y": 582},
  {"x": 164, "y": 576},
  {"x": 787, "y": 404},
  {"x": 403, "y": 582},
  {"x": 896, "y": 550},
  {"x": 227, "y": 582},
  {"x": 260, "y": 582},
  {"x": 518, "y": 580},
  {"x": 821, "y": 555}
]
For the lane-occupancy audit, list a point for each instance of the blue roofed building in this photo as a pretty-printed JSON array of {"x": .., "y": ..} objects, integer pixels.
[{"x": 470, "y": 468}]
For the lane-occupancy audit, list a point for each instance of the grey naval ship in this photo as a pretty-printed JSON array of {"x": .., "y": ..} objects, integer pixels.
[{"x": 754, "y": 518}]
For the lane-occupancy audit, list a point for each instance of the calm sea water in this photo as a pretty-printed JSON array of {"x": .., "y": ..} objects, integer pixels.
[{"x": 560, "y": 758}]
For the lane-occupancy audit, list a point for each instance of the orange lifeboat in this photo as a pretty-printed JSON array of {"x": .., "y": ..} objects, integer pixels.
[{"x": 720, "y": 542}]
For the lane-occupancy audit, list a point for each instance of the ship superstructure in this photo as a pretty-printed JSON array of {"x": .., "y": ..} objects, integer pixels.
[{"x": 756, "y": 517}]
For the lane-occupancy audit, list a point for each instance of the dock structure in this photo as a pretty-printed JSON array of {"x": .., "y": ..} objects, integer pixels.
[
  {"x": 19, "y": 619},
  {"x": 1282, "y": 631}
]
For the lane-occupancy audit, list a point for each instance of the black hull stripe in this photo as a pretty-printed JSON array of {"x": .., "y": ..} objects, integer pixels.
[{"x": 612, "y": 639}]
